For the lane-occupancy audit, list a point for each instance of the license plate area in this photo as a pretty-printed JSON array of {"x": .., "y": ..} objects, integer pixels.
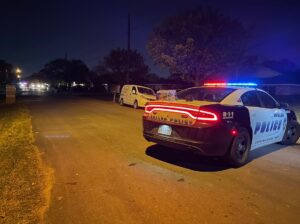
[
  {"x": 173, "y": 118},
  {"x": 165, "y": 130}
]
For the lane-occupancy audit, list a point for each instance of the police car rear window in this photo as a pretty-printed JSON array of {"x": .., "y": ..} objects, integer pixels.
[{"x": 204, "y": 94}]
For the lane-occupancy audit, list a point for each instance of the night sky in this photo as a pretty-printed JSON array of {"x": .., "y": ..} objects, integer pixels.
[{"x": 35, "y": 32}]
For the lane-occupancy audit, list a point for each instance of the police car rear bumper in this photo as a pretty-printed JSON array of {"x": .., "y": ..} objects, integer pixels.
[
  {"x": 207, "y": 140},
  {"x": 175, "y": 143}
]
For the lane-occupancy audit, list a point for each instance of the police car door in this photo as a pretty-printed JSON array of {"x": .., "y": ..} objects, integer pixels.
[
  {"x": 260, "y": 119},
  {"x": 251, "y": 101},
  {"x": 274, "y": 127}
]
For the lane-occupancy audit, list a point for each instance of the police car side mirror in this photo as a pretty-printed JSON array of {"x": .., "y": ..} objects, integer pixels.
[{"x": 284, "y": 105}]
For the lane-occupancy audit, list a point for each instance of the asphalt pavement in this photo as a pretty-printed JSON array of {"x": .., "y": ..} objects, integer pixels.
[{"x": 105, "y": 172}]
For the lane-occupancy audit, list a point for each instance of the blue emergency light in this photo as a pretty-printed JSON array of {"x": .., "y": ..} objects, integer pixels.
[
  {"x": 241, "y": 84},
  {"x": 244, "y": 84}
]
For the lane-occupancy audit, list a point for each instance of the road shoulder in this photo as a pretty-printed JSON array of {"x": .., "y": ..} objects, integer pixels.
[{"x": 25, "y": 181}]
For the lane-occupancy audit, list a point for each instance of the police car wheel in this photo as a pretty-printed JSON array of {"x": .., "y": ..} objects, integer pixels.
[
  {"x": 240, "y": 148},
  {"x": 291, "y": 134},
  {"x": 121, "y": 102},
  {"x": 135, "y": 105}
]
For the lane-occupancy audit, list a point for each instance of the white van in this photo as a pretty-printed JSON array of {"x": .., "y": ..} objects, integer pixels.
[{"x": 136, "y": 96}]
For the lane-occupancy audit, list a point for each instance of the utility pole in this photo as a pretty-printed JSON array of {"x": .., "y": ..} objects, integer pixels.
[
  {"x": 66, "y": 56},
  {"x": 128, "y": 33},
  {"x": 6, "y": 73},
  {"x": 128, "y": 46}
]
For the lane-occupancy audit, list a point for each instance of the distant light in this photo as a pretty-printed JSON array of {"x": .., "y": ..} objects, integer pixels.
[
  {"x": 39, "y": 86},
  {"x": 18, "y": 71},
  {"x": 74, "y": 84},
  {"x": 23, "y": 85}
]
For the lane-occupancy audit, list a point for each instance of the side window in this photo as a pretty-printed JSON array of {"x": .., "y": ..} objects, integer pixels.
[
  {"x": 266, "y": 100},
  {"x": 134, "y": 90},
  {"x": 250, "y": 99}
]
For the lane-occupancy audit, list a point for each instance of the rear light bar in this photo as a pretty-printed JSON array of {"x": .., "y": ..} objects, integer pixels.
[{"x": 196, "y": 114}]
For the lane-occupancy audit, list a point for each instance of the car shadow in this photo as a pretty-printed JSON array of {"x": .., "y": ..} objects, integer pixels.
[
  {"x": 186, "y": 159},
  {"x": 260, "y": 152},
  {"x": 193, "y": 161}
]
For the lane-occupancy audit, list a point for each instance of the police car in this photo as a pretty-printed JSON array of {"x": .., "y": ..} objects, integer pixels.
[{"x": 221, "y": 119}]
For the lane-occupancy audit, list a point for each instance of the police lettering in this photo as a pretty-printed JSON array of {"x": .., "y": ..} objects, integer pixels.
[
  {"x": 267, "y": 126},
  {"x": 171, "y": 120}
]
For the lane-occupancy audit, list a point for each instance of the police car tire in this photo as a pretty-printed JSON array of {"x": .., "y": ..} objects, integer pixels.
[
  {"x": 292, "y": 133},
  {"x": 135, "y": 104},
  {"x": 121, "y": 102},
  {"x": 243, "y": 141}
]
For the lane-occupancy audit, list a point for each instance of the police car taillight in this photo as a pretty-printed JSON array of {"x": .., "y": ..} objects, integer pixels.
[
  {"x": 233, "y": 132},
  {"x": 192, "y": 112},
  {"x": 207, "y": 116}
]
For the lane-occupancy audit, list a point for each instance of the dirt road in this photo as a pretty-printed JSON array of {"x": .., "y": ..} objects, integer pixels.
[{"x": 105, "y": 172}]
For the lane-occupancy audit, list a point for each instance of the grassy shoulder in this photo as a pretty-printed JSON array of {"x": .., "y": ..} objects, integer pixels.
[{"x": 24, "y": 181}]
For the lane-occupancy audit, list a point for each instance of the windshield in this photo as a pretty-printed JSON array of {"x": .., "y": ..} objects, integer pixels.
[
  {"x": 147, "y": 91},
  {"x": 204, "y": 94}
]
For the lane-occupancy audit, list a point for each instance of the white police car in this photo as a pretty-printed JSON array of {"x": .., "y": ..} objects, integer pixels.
[{"x": 220, "y": 119}]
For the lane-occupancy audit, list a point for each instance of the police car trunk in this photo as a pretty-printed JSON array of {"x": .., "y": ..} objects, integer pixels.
[{"x": 196, "y": 120}]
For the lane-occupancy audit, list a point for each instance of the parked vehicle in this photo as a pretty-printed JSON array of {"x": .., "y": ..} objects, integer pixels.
[
  {"x": 221, "y": 119},
  {"x": 136, "y": 96}
]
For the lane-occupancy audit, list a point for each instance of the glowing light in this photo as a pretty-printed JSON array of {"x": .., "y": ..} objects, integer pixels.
[
  {"x": 244, "y": 84},
  {"x": 18, "y": 71},
  {"x": 216, "y": 84},
  {"x": 199, "y": 115},
  {"x": 173, "y": 107},
  {"x": 234, "y": 132}
]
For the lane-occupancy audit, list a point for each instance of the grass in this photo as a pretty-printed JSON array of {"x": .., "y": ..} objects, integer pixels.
[{"x": 24, "y": 180}]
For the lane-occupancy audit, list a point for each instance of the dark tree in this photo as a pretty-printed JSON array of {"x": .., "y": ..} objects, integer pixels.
[
  {"x": 122, "y": 66},
  {"x": 78, "y": 72},
  {"x": 6, "y": 72},
  {"x": 198, "y": 43},
  {"x": 67, "y": 71}
]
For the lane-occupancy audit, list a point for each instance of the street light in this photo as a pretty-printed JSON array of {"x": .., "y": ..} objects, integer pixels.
[{"x": 18, "y": 72}]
